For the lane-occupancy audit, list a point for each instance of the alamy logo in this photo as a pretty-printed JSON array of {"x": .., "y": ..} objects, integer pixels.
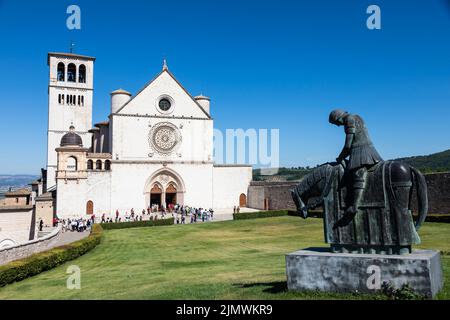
[
  {"x": 249, "y": 146},
  {"x": 74, "y": 20},
  {"x": 374, "y": 280},
  {"x": 74, "y": 280},
  {"x": 374, "y": 20}
]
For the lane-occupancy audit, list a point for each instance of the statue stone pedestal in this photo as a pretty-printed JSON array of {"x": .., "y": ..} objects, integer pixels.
[{"x": 319, "y": 269}]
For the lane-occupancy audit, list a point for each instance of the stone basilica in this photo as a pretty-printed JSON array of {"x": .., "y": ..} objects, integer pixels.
[{"x": 155, "y": 148}]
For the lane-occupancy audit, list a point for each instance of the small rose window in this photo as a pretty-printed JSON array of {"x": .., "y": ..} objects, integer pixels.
[{"x": 164, "y": 104}]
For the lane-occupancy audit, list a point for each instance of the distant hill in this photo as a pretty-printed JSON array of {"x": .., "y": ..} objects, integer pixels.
[
  {"x": 284, "y": 174},
  {"x": 14, "y": 182},
  {"x": 436, "y": 162}
]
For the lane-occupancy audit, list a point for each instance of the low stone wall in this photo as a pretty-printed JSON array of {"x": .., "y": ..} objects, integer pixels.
[
  {"x": 28, "y": 248},
  {"x": 270, "y": 195},
  {"x": 438, "y": 192},
  {"x": 277, "y": 196}
]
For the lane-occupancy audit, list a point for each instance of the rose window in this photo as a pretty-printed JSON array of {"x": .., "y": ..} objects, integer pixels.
[{"x": 164, "y": 137}]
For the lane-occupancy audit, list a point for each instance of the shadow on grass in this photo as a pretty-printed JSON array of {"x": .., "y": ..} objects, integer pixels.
[{"x": 274, "y": 287}]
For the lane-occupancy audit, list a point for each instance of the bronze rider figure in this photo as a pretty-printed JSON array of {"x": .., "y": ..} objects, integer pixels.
[{"x": 361, "y": 152}]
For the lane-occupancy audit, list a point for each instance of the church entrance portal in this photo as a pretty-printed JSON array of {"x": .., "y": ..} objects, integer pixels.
[{"x": 164, "y": 188}]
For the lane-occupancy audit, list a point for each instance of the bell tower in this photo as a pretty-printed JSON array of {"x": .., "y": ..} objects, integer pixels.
[{"x": 70, "y": 91}]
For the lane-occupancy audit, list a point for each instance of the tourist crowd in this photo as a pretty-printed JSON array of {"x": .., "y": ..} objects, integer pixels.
[
  {"x": 179, "y": 213},
  {"x": 79, "y": 224}
]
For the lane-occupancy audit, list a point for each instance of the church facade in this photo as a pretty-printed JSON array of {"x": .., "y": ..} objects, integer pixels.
[{"x": 156, "y": 148}]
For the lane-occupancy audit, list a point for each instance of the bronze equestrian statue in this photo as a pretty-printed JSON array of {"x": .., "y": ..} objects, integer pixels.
[{"x": 366, "y": 201}]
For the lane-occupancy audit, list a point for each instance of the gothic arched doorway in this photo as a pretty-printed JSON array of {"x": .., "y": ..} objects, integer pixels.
[
  {"x": 242, "y": 200},
  {"x": 171, "y": 195},
  {"x": 169, "y": 188},
  {"x": 155, "y": 195},
  {"x": 90, "y": 207}
]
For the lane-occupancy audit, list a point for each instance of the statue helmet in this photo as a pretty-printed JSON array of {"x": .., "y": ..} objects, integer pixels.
[{"x": 337, "y": 114}]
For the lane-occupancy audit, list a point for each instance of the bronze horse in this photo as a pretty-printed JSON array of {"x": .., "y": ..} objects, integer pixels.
[{"x": 383, "y": 223}]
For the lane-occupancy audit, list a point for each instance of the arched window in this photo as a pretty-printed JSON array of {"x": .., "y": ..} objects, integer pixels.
[
  {"x": 82, "y": 101},
  {"x": 61, "y": 70},
  {"x": 90, "y": 165},
  {"x": 59, "y": 98},
  {"x": 82, "y": 74},
  {"x": 62, "y": 99},
  {"x": 107, "y": 165},
  {"x": 71, "y": 72},
  {"x": 79, "y": 100},
  {"x": 98, "y": 165},
  {"x": 72, "y": 164}
]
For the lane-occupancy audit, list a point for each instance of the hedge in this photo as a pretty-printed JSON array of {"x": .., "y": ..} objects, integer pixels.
[
  {"x": 137, "y": 224},
  {"x": 275, "y": 213},
  {"x": 259, "y": 214},
  {"x": 444, "y": 218},
  {"x": 46, "y": 260}
]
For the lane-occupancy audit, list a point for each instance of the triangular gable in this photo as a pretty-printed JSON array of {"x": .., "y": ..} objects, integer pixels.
[{"x": 147, "y": 85}]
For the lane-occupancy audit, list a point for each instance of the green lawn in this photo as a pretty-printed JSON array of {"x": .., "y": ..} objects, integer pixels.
[{"x": 225, "y": 260}]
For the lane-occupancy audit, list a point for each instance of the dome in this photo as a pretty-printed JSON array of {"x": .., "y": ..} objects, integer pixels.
[
  {"x": 202, "y": 97},
  {"x": 120, "y": 91},
  {"x": 71, "y": 139}
]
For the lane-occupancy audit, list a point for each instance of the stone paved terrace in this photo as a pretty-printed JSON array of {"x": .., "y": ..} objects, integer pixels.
[{"x": 68, "y": 237}]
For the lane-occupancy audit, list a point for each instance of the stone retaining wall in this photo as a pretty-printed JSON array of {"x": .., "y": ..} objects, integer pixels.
[
  {"x": 276, "y": 195},
  {"x": 26, "y": 249},
  {"x": 438, "y": 192}
]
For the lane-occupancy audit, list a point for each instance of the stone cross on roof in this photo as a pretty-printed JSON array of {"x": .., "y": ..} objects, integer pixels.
[{"x": 72, "y": 46}]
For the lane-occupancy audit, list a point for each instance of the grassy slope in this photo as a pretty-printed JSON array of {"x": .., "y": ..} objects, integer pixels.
[{"x": 226, "y": 260}]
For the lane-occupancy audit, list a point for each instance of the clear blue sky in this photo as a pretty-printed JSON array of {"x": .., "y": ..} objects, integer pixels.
[{"x": 265, "y": 64}]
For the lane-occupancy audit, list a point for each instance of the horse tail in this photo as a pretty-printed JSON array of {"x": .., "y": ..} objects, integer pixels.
[{"x": 422, "y": 196}]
